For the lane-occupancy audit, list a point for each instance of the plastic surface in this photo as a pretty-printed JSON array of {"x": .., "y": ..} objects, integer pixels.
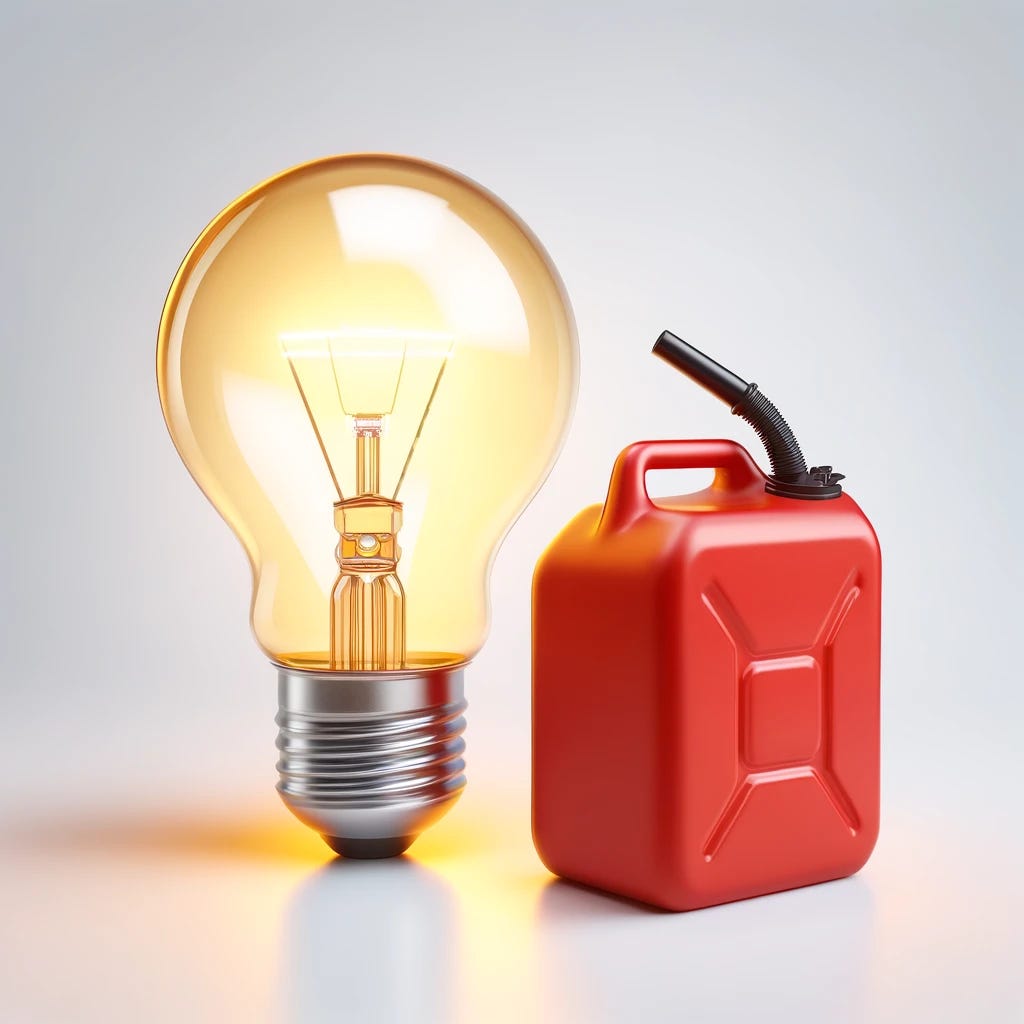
[{"x": 706, "y": 687}]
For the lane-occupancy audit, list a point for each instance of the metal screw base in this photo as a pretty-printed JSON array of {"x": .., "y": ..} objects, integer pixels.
[{"x": 370, "y": 759}]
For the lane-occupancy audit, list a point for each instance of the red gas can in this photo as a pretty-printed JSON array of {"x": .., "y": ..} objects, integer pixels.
[{"x": 706, "y": 669}]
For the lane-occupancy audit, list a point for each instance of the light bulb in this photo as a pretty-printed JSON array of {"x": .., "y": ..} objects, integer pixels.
[{"x": 368, "y": 364}]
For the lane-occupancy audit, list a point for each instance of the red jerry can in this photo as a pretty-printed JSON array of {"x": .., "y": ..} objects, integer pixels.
[{"x": 706, "y": 674}]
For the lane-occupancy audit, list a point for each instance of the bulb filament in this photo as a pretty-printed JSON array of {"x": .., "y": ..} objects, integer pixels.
[{"x": 367, "y": 614}]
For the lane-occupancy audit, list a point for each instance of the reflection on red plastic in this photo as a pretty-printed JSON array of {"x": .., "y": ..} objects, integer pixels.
[{"x": 706, "y": 703}]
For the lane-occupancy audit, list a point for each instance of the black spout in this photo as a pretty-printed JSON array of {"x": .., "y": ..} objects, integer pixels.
[
  {"x": 711, "y": 376},
  {"x": 790, "y": 476}
]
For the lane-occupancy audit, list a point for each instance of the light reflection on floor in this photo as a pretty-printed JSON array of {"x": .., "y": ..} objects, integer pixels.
[{"x": 249, "y": 917}]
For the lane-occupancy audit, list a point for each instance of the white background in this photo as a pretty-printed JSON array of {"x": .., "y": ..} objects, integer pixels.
[{"x": 824, "y": 196}]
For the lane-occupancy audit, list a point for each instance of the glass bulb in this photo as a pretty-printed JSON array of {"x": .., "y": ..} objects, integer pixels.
[{"x": 368, "y": 364}]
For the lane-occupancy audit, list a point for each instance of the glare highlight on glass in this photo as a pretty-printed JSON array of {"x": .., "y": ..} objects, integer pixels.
[{"x": 368, "y": 364}]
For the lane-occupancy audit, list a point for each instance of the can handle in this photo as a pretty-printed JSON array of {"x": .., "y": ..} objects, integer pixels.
[{"x": 627, "y": 492}]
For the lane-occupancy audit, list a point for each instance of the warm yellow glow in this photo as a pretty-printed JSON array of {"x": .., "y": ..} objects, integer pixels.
[
  {"x": 429, "y": 362},
  {"x": 360, "y": 333}
]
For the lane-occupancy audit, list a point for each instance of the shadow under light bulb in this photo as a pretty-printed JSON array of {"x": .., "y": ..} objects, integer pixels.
[{"x": 368, "y": 364}]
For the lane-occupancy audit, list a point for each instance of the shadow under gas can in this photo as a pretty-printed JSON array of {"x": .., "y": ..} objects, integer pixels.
[{"x": 706, "y": 683}]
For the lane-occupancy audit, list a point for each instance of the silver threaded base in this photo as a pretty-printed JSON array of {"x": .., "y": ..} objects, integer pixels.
[{"x": 370, "y": 759}]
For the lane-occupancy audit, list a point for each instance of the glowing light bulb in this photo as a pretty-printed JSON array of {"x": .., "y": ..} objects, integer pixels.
[{"x": 368, "y": 364}]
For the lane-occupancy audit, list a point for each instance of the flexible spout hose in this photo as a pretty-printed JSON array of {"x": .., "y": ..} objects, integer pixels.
[{"x": 787, "y": 461}]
